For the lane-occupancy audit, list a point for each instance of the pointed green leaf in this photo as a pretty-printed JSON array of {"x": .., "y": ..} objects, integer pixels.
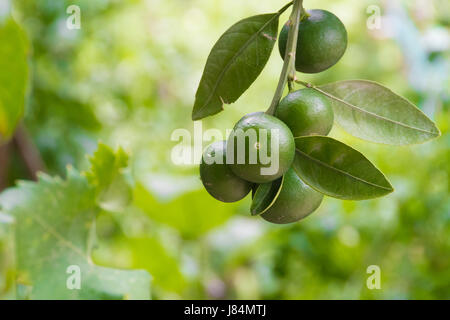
[
  {"x": 372, "y": 112},
  {"x": 107, "y": 176},
  {"x": 265, "y": 196},
  {"x": 337, "y": 170},
  {"x": 54, "y": 221},
  {"x": 13, "y": 76},
  {"x": 235, "y": 62}
]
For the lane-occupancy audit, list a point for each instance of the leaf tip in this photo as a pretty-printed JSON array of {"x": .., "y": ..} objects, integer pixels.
[
  {"x": 195, "y": 116},
  {"x": 389, "y": 188},
  {"x": 438, "y": 132}
]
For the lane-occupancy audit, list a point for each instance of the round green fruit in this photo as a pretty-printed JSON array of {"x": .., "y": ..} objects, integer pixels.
[
  {"x": 218, "y": 179},
  {"x": 295, "y": 201},
  {"x": 322, "y": 40},
  {"x": 260, "y": 148},
  {"x": 306, "y": 112}
]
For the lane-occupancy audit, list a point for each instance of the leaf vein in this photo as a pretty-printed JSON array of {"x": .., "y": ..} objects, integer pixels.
[
  {"x": 233, "y": 59},
  {"x": 341, "y": 171},
  {"x": 356, "y": 108},
  {"x": 58, "y": 236}
]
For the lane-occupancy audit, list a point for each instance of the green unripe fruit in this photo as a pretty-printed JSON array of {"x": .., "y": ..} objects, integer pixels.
[
  {"x": 295, "y": 201},
  {"x": 306, "y": 112},
  {"x": 218, "y": 179},
  {"x": 261, "y": 148},
  {"x": 322, "y": 40}
]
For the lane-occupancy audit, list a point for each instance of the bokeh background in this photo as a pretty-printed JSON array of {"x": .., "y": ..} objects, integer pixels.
[{"x": 128, "y": 78}]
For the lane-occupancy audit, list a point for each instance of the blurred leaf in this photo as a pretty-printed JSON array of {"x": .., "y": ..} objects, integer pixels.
[
  {"x": 193, "y": 214},
  {"x": 48, "y": 104},
  {"x": 372, "y": 112},
  {"x": 106, "y": 175},
  {"x": 128, "y": 82},
  {"x": 150, "y": 255},
  {"x": 235, "y": 62},
  {"x": 337, "y": 170},
  {"x": 54, "y": 225},
  {"x": 13, "y": 76},
  {"x": 7, "y": 267}
]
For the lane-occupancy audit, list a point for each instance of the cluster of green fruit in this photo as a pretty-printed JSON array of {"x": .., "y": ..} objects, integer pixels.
[
  {"x": 284, "y": 155},
  {"x": 281, "y": 196}
]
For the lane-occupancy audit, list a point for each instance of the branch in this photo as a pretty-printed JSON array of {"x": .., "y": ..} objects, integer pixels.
[
  {"x": 5, "y": 151},
  {"x": 288, "y": 71},
  {"x": 28, "y": 151}
]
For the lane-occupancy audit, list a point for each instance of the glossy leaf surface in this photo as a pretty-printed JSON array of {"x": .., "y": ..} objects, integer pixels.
[
  {"x": 337, "y": 170},
  {"x": 234, "y": 63}
]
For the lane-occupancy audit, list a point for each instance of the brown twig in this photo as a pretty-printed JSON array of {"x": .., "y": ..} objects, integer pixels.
[
  {"x": 5, "y": 151},
  {"x": 28, "y": 151}
]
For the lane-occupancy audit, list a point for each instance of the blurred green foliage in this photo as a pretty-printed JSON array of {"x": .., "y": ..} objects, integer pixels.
[
  {"x": 128, "y": 77},
  {"x": 54, "y": 228},
  {"x": 13, "y": 60}
]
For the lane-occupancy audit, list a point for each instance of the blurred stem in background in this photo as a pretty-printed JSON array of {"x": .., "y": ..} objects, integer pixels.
[
  {"x": 22, "y": 144},
  {"x": 28, "y": 152}
]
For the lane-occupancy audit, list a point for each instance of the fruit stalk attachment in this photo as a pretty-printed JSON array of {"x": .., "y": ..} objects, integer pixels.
[
  {"x": 288, "y": 72},
  {"x": 311, "y": 86}
]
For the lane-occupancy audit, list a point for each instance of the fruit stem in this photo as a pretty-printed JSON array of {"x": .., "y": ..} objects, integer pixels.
[
  {"x": 305, "y": 84},
  {"x": 288, "y": 71},
  {"x": 310, "y": 85}
]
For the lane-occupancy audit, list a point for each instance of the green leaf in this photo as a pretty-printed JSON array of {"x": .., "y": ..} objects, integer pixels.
[
  {"x": 235, "y": 62},
  {"x": 107, "y": 176},
  {"x": 372, "y": 112},
  {"x": 337, "y": 170},
  {"x": 13, "y": 76},
  {"x": 7, "y": 266},
  {"x": 54, "y": 223},
  {"x": 265, "y": 196}
]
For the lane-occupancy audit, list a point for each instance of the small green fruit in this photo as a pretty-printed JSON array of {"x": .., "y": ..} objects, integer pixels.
[
  {"x": 322, "y": 40},
  {"x": 306, "y": 112},
  {"x": 261, "y": 148},
  {"x": 218, "y": 179},
  {"x": 295, "y": 201}
]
